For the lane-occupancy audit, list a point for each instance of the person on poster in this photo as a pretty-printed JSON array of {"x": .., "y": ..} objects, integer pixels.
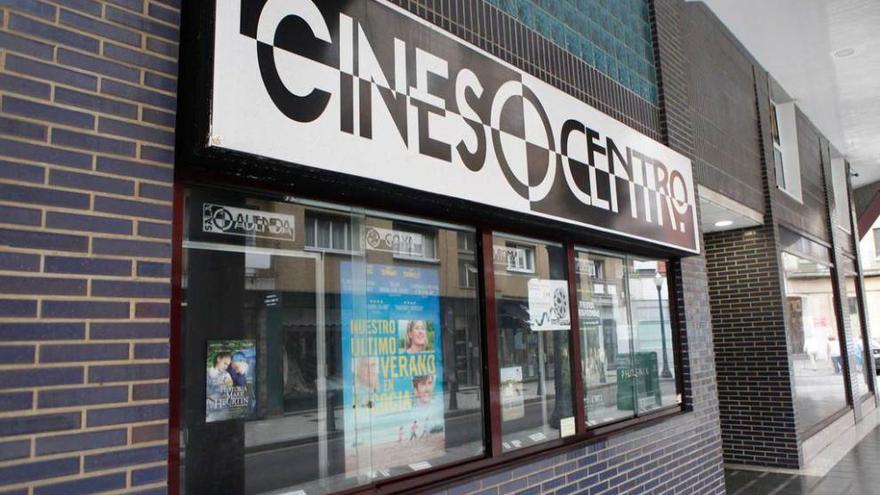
[
  {"x": 367, "y": 372},
  {"x": 238, "y": 370},
  {"x": 423, "y": 389},
  {"x": 416, "y": 336},
  {"x": 218, "y": 375},
  {"x": 414, "y": 430}
]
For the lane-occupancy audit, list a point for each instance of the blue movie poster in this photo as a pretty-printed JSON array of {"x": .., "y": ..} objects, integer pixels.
[
  {"x": 392, "y": 366},
  {"x": 230, "y": 378}
]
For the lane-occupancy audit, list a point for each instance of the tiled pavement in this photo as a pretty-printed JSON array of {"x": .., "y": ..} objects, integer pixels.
[{"x": 858, "y": 473}]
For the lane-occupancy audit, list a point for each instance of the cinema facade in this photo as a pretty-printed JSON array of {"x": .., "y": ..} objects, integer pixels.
[
  {"x": 383, "y": 247},
  {"x": 438, "y": 267}
]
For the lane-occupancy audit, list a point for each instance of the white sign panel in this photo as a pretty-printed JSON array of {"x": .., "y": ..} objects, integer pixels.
[
  {"x": 222, "y": 219},
  {"x": 364, "y": 88}
]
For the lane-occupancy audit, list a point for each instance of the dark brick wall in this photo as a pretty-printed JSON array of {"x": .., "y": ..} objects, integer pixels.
[
  {"x": 87, "y": 102},
  {"x": 751, "y": 355},
  {"x": 755, "y": 389},
  {"x": 723, "y": 109}
]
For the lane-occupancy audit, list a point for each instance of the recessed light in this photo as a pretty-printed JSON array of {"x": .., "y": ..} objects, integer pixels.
[
  {"x": 723, "y": 223},
  {"x": 844, "y": 53}
]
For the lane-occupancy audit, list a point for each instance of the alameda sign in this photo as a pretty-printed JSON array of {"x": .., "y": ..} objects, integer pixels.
[{"x": 362, "y": 87}]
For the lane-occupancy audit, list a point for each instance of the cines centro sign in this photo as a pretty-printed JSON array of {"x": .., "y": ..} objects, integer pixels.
[{"x": 362, "y": 87}]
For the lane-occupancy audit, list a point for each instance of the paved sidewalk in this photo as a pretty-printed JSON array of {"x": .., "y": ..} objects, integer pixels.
[{"x": 858, "y": 473}]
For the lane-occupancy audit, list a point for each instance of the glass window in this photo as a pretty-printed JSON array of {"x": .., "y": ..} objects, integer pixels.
[
  {"x": 815, "y": 350},
  {"x": 468, "y": 273},
  {"x": 606, "y": 339},
  {"x": 533, "y": 323},
  {"x": 777, "y": 146},
  {"x": 519, "y": 258},
  {"x": 784, "y": 134},
  {"x": 466, "y": 242},
  {"x": 322, "y": 370},
  {"x": 654, "y": 362},
  {"x": 327, "y": 232},
  {"x": 410, "y": 241},
  {"x": 863, "y": 377},
  {"x": 876, "y": 242}
]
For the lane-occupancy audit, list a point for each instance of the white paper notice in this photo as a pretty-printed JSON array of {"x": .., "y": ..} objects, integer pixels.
[
  {"x": 418, "y": 466},
  {"x": 538, "y": 437},
  {"x": 548, "y": 305},
  {"x": 566, "y": 427}
]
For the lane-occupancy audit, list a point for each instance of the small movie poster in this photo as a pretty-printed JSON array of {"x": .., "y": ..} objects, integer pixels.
[{"x": 230, "y": 387}]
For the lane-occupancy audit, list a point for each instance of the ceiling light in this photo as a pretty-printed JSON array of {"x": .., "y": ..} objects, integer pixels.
[
  {"x": 724, "y": 223},
  {"x": 844, "y": 53}
]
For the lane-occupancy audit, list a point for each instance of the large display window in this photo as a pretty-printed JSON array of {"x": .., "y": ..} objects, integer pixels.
[
  {"x": 863, "y": 356},
  {"x": 814, "y": 340},
  {"x": 323, "y": 348},
  {"x": 534, "y": 324},
  {"x": 627, "y": 349}
]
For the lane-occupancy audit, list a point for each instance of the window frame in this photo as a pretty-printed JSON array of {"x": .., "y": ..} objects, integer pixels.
[
  {"x": 783, "y": 119},
  {"x": 321, "y": 215},
  {"x": 493, "y": 456},
  {"x": 467, "y": 265},
  {"x": 529, "y": 251},
  {"x": 398, "y": 226}
]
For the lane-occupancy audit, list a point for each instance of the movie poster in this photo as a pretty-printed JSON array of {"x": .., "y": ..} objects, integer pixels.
[
  {"x": 230, "y": 387},
  {"x": 392, "y": 366}
]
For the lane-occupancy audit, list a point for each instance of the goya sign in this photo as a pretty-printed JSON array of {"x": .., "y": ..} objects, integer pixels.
[{"x": 364, "y": 88}]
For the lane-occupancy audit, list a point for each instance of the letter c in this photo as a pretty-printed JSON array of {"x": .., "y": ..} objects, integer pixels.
[{"x": 299, "y": 108}]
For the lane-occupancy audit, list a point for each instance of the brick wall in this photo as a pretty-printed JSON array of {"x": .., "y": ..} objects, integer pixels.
[
  {"x": 723, "y": 109},
  {"x": 86, "y": 136},
  {"x": 754, "y": 389}
]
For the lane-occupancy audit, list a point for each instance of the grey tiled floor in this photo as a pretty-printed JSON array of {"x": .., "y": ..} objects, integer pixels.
[{"x": 858, "y": 473}]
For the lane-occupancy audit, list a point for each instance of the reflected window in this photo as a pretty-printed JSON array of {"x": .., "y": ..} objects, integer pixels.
[
  {"x": 466, "y": 242},
  {"x": 342, "y": 366},
  {"x": 412, "y": 242},
  {"x": 468, "y": 273},
  {"x": 519, "y": 258},
  {"x": 815, "y": 348},
  {"x": 533, "y": 323},
  {"x": 327, "y": 232}
]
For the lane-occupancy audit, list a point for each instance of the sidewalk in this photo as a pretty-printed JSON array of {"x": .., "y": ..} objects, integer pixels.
[{"x": 858, "y": 473}]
